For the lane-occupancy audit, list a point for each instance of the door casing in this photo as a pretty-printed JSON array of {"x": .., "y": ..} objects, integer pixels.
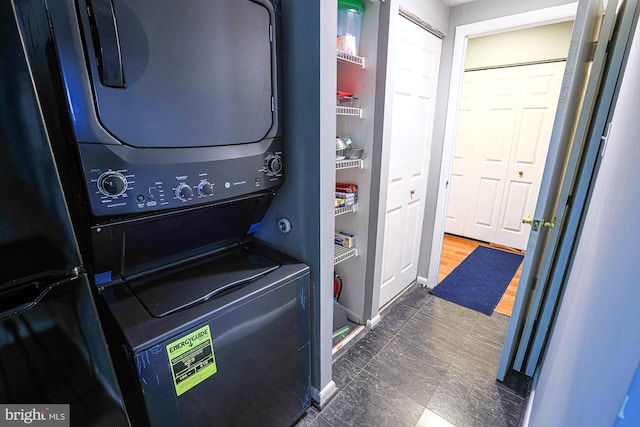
[{"x": 534, "y": 18}]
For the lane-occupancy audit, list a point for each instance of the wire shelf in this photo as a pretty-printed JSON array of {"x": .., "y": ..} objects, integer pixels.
[
  {"x": 349, "y": 111},
  {"x": 347, "y": 209},
  {"x": 354, "y": 59},
  {"x": 348, "y": 164},
  {"x": 342, "y": 254}
]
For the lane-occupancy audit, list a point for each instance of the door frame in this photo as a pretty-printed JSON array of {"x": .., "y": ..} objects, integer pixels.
[{"x": 463, "y": 33}]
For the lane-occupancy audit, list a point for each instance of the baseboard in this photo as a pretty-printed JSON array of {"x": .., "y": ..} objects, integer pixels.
[
  {"x": 525, "y": 419},
  {"x": 372, "y": 323},
  {"x": 526, "y": 416},
  {"x": 424, "y": 282},
  {"x": 322, "y": 397}
]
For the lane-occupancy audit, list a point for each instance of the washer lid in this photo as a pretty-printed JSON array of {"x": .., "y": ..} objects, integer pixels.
[
  {"x": 181, "y": 288},
  {"x": 182, "y": 73}
]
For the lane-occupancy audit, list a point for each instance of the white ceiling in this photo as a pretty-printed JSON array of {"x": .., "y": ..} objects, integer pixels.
[{"x": 452, "y": 3}]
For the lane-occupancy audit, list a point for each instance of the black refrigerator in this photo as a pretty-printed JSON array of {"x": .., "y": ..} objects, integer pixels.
[{"x": 52, "y": 347}]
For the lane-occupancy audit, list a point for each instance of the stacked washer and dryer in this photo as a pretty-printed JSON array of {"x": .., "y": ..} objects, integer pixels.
[{"x": 165, "y": 121}]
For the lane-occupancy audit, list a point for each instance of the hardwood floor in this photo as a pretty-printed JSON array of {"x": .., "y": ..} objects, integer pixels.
[{"x": 455, "y": 249}]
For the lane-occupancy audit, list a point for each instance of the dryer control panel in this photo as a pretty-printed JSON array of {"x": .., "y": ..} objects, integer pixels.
[{"x": 123, "y": 180}]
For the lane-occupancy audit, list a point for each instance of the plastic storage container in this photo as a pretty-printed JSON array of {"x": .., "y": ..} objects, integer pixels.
[{"x": 349, "y": 25}]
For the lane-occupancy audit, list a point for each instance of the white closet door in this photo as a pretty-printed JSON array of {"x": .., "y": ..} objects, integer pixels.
[
  {"x": 463, "y": 154},
  {"x": 507, "y": 115},
  {"x": 415, "y": 86}
]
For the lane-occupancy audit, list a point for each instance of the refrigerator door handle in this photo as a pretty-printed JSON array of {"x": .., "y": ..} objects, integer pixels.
[{"x": 28, "y": 305}]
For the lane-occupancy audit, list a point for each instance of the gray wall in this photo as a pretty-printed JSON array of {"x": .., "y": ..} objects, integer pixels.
[
  {"x": 309, "y": 82},
  {"x": 480, "y": 10},
  {"x": 595, "y": 345}
]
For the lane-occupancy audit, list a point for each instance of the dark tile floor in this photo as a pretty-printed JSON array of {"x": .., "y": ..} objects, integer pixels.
[{"x": 429, "y": 362}]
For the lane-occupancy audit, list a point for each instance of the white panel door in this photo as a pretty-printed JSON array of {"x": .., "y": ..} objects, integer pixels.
[
  {"x": 493, "y": 123},
  {"x": 458, "y": 204},
  {"x": 507, "y": 123},
  {"x": 415, "y": 85},
  {"x": 529, "y": 151}
]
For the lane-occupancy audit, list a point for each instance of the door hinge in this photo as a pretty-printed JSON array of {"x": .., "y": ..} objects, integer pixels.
[
  {"x": 605, "y": 139},
  {"x": 569, "y": 200},
  {"x": 592, "y": 51}
]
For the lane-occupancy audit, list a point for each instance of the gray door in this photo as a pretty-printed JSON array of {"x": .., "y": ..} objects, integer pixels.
[{"x": 578, "y": 129}]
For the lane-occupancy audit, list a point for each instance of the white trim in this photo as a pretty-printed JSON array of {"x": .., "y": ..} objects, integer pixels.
[
  {"x": 324, "y": 396},
  {"x": 526, "y": 416},
  {"x": 530, "y": 19},
  {"x": 424, "y": 282},
  {"x": 372, "y": 323}
]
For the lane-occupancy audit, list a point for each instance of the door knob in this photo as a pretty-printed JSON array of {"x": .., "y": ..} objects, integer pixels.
[
  {"x": 536, "y": 223},
  {"x": 549, "y": 224},
  {"x": 412, "y": 192},
  {"x": 520, "y": 173}
]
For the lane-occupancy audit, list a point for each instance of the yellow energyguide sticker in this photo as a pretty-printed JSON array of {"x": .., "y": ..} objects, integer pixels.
[{"x": 192, "y": 360}]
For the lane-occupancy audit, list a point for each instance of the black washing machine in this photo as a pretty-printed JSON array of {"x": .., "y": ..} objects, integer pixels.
[{"x": 221, "y": 337}]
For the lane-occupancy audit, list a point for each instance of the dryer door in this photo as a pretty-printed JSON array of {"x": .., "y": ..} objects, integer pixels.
[{"x": 170, "y": 73}]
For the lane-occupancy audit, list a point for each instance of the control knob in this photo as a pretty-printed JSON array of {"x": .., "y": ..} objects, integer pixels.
[
  {"x": 184, "y": 192},
  {"x": 112, "y": 184},
  {"x": 274, "y": 164},
  {"x": 205, "y": 188}
]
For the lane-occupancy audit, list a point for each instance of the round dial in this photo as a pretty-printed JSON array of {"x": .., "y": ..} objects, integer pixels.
[
  {"x": 274, "y": 164},
  {"x": 112, "y": 184},
  {"x": 205, "y": 188},
  {"x": 184, "y": 192}
]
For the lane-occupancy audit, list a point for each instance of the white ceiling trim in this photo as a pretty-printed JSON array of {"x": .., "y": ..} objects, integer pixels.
[{"x": 452, "y": 3}]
